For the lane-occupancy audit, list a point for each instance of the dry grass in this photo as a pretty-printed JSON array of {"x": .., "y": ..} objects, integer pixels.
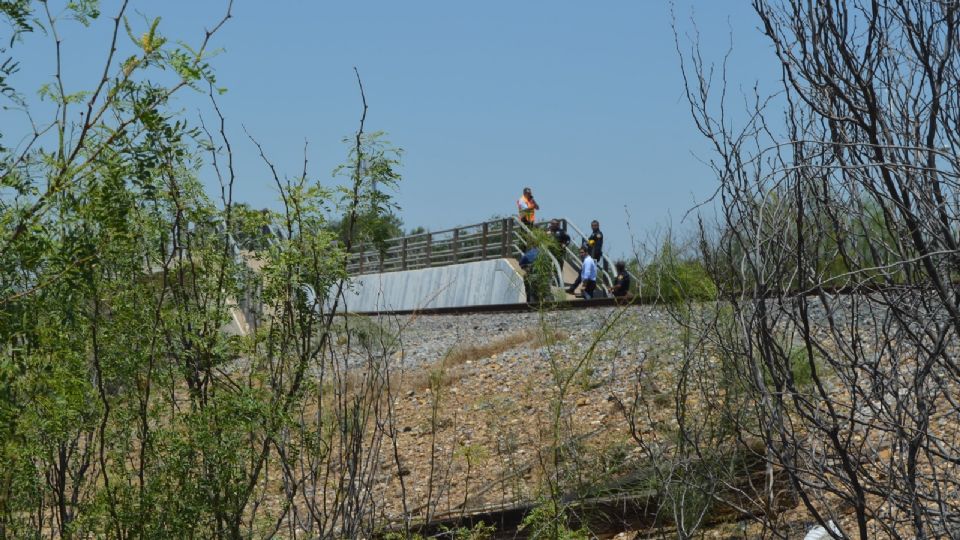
[
  {"x": 446, "y": 371},
  {"x": 461, "y": 355}
]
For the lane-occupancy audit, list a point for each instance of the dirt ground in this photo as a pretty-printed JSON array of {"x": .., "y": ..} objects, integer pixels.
[
  {"x": 478, "y": 425},
  {"x": 493, "y": 412}
]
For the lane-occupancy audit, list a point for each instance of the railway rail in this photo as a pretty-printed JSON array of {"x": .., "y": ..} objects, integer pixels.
[
  {"x": 512, "y": 308},
  {"x": 631, "y": 300}
]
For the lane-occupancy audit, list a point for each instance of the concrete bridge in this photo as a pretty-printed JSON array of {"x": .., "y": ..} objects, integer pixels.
[{"x": 472, "y": 265}]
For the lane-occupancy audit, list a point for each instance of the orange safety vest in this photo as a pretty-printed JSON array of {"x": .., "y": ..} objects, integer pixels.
[{"x": 528, "y": 213}]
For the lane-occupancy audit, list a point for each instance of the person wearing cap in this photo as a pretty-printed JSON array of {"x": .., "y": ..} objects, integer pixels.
[{"x": 527, "y": 207}]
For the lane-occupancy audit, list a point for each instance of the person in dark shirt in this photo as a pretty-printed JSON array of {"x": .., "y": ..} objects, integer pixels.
[
  {"x": 621, "y": 284},
  {"x": 560, "y": 236},
  {"x": 595, "y": 242},
  {"x": 595, "y": 246}
]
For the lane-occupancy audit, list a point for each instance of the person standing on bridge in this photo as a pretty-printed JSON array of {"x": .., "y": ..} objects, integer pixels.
[
  {"x": 595, "y": 241},
  {"x": 588, "y": 275},
  {"x": 527, "y": 207},
  {"x": 595, "y": 245}
]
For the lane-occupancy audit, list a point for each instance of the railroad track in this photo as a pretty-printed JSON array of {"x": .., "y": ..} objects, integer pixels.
[
  {"x": 513, "y": 308},
  {"x": 865, "y": 289}
]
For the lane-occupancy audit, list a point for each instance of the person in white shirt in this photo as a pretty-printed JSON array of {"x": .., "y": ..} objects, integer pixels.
[
  {"x": 527, "y": 207},
  {"x": 588, "y": 275}
]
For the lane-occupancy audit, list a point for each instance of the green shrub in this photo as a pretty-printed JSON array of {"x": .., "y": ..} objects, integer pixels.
[
  {"x": 673, "y": 276},
  {"x": 480, "y": 531},
  {"x": 548, "y": 520},
  {"x": 540, "y": 276}
]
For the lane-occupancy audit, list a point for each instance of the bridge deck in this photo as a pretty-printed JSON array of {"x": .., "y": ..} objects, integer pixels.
[{"x": 496, "y": 239}]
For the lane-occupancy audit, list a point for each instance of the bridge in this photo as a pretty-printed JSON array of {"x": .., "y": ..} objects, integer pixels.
[{"x": 468, "y": 265}]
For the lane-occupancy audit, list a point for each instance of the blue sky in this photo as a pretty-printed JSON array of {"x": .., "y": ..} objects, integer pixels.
[{"x": 582, "y": 102}]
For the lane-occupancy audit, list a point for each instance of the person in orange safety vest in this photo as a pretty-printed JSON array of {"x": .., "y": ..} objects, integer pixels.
[{"x": 527, "y": 207}]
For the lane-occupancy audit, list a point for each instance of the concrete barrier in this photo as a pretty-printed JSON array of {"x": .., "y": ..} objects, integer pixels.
[{"x": 496, "y": 281}]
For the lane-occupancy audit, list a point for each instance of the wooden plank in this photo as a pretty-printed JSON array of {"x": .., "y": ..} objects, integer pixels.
[
  {"x": 483, "y": 242},
  {"x": 429, "y": 242},
  {"x": 503, "y": 237},
  {"x": 468, "y": 243},
  {"x": 456, "y": 238}
]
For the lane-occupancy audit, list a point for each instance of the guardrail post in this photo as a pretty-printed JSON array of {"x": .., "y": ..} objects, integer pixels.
[
  {"x": 504, "y": 225},
  {"x": 483, "y": 242},
  {"x": 360, "y": 259},
  {"x": 403, "y": 253},
  {"x": 456, "y": 241},
  {"x": 429, "y": 244}
]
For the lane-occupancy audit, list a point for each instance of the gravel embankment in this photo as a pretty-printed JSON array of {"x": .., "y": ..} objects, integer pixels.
[{"x": 426, "y": 338}]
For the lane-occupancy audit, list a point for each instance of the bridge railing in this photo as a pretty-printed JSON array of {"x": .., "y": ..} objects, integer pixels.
[
  {"x": 500, "y": 238},
  {"x": 481, "y": 241}
]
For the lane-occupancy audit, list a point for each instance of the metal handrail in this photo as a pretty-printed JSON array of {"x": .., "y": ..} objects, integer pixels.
[
  {"x": 607, "y": 278},
  {"x": 557, "y": 267},
  {"x": 468, "y": 243},
  {"x": 476, "y": 242}
]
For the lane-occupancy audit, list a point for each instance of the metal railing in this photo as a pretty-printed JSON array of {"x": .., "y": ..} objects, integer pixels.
[
  {"x": 555, "y": 264},
  {"x": 479, "y": 242},
  {"x": 494, "y": 239},
  {"x": 572, "y": 256},
  {"x": 606, "y": 270}
]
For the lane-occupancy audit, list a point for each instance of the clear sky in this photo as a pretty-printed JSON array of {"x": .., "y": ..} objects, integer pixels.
[{"x": 583, "y": 102}]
